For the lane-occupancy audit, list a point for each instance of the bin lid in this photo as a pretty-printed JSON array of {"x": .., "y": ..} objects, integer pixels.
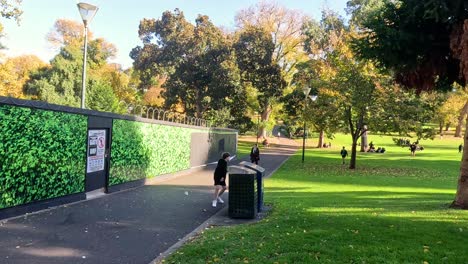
[
  {"x": 240, "y": 170},
  {"x": 252, "y": 166}
]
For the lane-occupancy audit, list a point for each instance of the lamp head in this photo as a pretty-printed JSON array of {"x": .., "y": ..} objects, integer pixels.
[
  {"x": 87, "y": 12},
  {"x": 313, "y": 97},
  {"x": 306, "y": 90}
]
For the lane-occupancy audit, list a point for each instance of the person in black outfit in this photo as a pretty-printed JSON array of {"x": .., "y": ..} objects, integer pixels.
[
  {"x": 344, "y": 154},
  {"x": 220, "y": 179},
  {"x": 255, "y": 154},
  {"x": 413, "y": 148},
  {"x": 460, "y": 148}
]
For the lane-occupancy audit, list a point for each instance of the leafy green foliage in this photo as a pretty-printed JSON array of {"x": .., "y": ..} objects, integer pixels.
[
  {"x": 199, "y": 62},
  {"x": 395, "y": 110},
  {"x": 102, "y": 97},
  {"x": 142, "y": 150},
  {"x": 42, "y": 154},
  {"x": 163, "y": 45},
  {"x": 255, "y": 49},
  {"x": 61, "y": 83},
  {"x": 413, "y": 38},
  {"x": 254, "y": 54}
]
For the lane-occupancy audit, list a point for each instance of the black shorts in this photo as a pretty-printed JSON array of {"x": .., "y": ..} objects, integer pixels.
[{"x": 219, "y": 182}]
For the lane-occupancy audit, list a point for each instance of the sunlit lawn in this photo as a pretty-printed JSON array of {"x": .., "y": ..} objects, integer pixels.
[
  {"x": 243, "y": 148},
  {"x": 392, "y": 209}
]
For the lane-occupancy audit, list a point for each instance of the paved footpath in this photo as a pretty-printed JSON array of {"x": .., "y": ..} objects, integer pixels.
[{"x": 132, "y": 227}]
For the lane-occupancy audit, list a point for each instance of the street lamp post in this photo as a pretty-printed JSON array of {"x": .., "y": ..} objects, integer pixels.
[
  {"x": 87, "y": 13},
  {"x": 306, "y": 91}
]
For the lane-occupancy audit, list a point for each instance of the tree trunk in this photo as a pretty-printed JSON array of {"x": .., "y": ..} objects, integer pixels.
[
  {"x": 461, "y": 117},
  {"x": 320, "y": 139},
  {"x": 265, "y": 116},
  {"x": 447, "y": 127},
  {"x": 364, "y": 143},
  {"x": 461, "y": 198},
  {"x": 441, "y": 128},
  {"x": 352, "y": 163},
  {"x": 198, "y": 105},
  {"x": 461, "y": 49}
]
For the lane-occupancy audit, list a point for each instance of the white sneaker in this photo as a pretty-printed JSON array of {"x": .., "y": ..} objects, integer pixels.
[
  {"x": 214, "y": 203},
  {"x": 220, "y": 200}
]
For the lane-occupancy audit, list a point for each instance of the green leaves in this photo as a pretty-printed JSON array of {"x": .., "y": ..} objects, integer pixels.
[
  {"x": 142, "y": 150},
  {"x": 416, "y": 39},
  {"x": 42, "y": 154}
]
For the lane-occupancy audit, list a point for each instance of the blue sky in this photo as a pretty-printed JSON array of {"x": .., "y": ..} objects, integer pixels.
[{"x": 117, "y": 20}]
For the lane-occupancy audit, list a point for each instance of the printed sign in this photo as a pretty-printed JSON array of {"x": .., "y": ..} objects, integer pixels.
[{"x": 96, "y": 150}]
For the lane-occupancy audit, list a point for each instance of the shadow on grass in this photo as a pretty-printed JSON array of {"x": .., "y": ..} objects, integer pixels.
[
  {"x": 382, "y": 201},
  {"x": 375, "y": 227},
  {"x": 341, "y": 227}
]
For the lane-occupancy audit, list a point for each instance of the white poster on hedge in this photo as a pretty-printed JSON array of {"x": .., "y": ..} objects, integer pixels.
[{"x": 96, "y": 150}]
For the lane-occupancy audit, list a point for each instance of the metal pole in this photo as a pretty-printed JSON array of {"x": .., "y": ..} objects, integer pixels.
[
  {"x": 85, "y": 53},
  {"x": 304, "y": 134},
  {"x": 303, "y": 141}
]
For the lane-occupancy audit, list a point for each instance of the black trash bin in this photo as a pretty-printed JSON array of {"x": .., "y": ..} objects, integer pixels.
[
  {"x": 242, "y": 192},
  {"x": 260, "y": 173}
]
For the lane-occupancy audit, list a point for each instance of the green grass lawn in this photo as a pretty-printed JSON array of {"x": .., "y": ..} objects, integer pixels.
[
  {"x": 392, "y": 209},
  {"x": 243, "y": 148}
]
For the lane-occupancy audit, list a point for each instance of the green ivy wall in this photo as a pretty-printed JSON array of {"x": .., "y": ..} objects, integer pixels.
[
  {"x": 42, "y": 154},
  {"x": 142, "y": 150}
]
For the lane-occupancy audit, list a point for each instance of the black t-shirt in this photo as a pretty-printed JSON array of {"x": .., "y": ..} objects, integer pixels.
[
  {"x": 221, "y": 170},
  {"x": 344, "y": 153}
]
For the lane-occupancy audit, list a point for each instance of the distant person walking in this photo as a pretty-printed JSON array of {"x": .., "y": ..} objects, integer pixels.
[
  {"x": 220, "y": 179},
  {"x": 460, "y": 148},
  {"x": 413, "y": 148},
  {"x": 344, "y": 154},
  {"x": 255, "y": 154}
]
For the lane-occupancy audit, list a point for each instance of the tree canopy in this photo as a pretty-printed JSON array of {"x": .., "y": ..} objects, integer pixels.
[{"x": 421, "y": 41}]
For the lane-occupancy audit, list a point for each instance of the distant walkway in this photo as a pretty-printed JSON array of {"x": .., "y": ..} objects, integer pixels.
[{"x": 133, "y": 226}]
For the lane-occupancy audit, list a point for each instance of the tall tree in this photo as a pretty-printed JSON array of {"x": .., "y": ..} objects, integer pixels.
[
  {"x": 66, "y": 32},
  {"x": 284, "y": 25},
  {"x": 61, "y": 82},
  {"x": 255, "y": 50},
  {"x": 197, "y": 63},
  {"x": 15, "y": 72},
  {"x": 351, "y": 91},
  {"x": 207, "y": 75},
  {"x": 165, "y": 43},
  {"x": 355, "y": 89},
  {"x": 321, "y": 40},
  {"x": 426, "y": 44}
]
